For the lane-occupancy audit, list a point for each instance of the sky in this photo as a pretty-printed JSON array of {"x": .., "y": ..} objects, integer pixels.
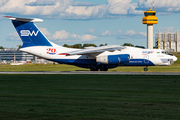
[{"x": 114, "y": 22}]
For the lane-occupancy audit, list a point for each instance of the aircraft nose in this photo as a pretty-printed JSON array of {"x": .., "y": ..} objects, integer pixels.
[{"x": 174, "y": 58}]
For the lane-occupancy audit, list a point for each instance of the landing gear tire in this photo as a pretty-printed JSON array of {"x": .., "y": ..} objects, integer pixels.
[
  {"x": 146, "y": 69},
  {"x": 94, "y": 69},
  {"x": 103, "y": 69}
]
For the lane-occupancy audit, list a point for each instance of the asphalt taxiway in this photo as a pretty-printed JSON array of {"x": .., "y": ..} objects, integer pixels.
[{"x": 92, "y": 72}]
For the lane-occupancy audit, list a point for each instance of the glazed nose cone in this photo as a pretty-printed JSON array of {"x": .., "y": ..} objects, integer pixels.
[{"x": 174, "y": 58}]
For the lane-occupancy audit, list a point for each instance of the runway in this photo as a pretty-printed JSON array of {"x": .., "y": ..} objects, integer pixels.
[{"x": 92, "y": 72}]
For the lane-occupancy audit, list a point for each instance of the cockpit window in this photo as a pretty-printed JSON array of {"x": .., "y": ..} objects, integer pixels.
[
  {"x": 167, "y": 53},
  {"x": 163, "y": 52}
]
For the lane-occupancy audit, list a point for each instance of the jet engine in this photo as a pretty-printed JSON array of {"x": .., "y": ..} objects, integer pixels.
[{"x": 113, "y": 59}]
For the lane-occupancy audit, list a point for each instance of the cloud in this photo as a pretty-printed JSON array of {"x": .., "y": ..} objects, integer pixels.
[
  {"x": 123, "y": 34},
  {"x": 132, "y": 9},
  {"x": 41, "y": 3},
  {"x": 88, "y": 37},
  {"x": 60, "y": 35},
  {"x": 166, "y": 28},
  {"x": 67, "y": 9},
  {"x": 79, "y": 3},
  {"x": 63, "y": 36},
  {"x": 13, "y": 37},
  {"x": 1, "y": 16},
  {"x": 91, "y": 30},
  {"x": 119, "y": 31},
  {"x": 83, "y": 12},
  {"x": 31, "y": 7},
  {"x": 143, "y": 33},
  {"x": 106, "y": 33},
  {"x": 118, "y": 6},
  {"x": 114, "y": 9},
  {"x": 161, "y": 5},
  {"x": 130, "y": 32},
  {"x": 46, "y": 33}
]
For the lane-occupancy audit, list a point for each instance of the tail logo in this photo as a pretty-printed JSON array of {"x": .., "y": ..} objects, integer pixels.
[
  {"x": 51, "y": 51},
  {"x": 28, "y": 33}
]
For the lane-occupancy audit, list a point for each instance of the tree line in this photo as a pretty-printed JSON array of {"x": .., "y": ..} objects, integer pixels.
[
  {"x": 19, "y": 46},
  {"x": 129, "y": 44},
  {"x": 1, "y": 47},
  {"x": 81, "y": 46}
]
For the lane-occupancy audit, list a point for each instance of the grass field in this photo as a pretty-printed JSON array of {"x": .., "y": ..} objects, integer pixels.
[
  {"x": 89, "y": 97},
  {"x": 62, "y": 67}
]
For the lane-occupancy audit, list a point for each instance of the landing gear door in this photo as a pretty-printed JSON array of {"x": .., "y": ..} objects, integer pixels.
[{"x": 146, "y": 59}]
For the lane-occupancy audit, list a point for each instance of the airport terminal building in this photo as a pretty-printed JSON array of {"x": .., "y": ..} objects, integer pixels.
[
  {"x": 15, "y": 56},
  {"x": 11, "y": 55},
  {"x": 169, "y": 41}
]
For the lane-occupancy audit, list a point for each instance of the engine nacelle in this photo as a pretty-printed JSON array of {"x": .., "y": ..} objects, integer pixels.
[{"x": 113, "y": 59}]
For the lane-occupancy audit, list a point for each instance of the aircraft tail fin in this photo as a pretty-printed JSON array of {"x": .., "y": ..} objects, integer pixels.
[{"x": 29, "y": 32}]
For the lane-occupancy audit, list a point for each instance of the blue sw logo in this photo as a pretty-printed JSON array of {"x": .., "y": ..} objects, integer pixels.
[{"x": 28, "y": 33}]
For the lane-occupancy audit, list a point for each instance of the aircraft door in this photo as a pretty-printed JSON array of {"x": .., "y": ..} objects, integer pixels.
[{"x": 146, "y": 59}]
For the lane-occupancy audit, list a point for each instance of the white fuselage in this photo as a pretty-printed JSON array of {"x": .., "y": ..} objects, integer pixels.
[{"x": 138, "y": 56}]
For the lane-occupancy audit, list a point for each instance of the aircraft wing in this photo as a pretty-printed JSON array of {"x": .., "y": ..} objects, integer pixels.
[{"x": 101, "y": 49}]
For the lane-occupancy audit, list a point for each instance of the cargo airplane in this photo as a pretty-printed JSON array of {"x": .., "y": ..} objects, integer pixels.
[{"x": 94, "y": 58}]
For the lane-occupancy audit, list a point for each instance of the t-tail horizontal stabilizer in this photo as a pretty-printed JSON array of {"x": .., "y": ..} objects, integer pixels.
[{"x": 24, "y": 19}]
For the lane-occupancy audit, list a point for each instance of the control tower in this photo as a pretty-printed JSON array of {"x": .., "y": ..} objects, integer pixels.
[{"x": 150, "y": 19}]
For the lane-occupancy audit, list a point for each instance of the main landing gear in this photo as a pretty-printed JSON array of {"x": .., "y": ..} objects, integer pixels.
[
  {"x": 146, "y": 68},
  {"x": 97, "y": 68},
  {"x": 94, "y": 69},
  {"x": 101, "y": 69}
]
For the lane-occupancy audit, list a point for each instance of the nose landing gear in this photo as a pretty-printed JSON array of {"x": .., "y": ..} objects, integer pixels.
[{"x": 146, "y": 68}]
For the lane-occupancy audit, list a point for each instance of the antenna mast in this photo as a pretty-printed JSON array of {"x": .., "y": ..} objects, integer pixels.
[{"x": 153, "y": 5}]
